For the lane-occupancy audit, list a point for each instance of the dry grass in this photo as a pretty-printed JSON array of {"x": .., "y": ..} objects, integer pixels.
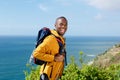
[{"x": 111, "y": 56}]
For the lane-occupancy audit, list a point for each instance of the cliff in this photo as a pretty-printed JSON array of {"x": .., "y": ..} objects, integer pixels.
[{"x": 109, "y": 57}]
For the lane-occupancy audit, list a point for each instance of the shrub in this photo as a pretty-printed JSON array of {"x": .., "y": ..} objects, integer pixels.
[
  {"x": 32, "y": 73},
  {"x": 84, "y": 72}
]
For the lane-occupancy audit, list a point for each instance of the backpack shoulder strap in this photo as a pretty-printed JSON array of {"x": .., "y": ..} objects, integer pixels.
[
  {"x": 61, "y": 48},
  {"x": 61, "y": 45}
]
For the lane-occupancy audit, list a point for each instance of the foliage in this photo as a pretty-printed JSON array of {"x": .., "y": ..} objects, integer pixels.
[
  {"x": 33, "y": 74},
  {"x": 85, "y": 72},
  {"x": 90, "y": 72},
  {"x": 71, "y": 71}
]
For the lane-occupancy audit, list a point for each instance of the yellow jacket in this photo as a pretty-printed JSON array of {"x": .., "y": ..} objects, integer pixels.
[{"x": 46, "y": 51}]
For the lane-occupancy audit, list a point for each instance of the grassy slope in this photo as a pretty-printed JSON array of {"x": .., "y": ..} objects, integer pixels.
[{"x": 109, "y": 57}]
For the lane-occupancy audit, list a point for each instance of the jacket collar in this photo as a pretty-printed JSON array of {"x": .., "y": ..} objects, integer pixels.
[{"x": 57, "y": 35}]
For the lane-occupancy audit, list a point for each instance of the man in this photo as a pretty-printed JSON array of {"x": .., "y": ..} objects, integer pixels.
[{"x": 48, "y": 51}]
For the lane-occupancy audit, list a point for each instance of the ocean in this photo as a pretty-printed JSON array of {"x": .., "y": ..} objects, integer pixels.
[{"x": 15, "y": 52}]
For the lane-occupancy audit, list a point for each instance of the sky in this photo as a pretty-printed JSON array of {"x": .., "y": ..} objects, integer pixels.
[{"x": 85, "y": 17}]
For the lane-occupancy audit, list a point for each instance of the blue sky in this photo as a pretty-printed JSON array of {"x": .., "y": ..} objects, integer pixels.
[{"x": 85, "y": 17}]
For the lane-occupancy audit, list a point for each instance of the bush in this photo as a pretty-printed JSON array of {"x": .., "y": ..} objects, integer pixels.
[
  {"x": 90, "y": 72},
  {"x": 84, "y": 72},
  {"x": 71, "y": 71},
  {"x": 33, "y": 74}
]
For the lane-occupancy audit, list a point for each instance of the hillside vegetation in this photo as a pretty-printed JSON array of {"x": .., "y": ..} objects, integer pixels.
[
  {"x": 109, "y": 57},
  {"x": 105, "y": 67}
]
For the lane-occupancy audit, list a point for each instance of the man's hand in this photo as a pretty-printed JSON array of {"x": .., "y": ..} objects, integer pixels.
[{"x": 59, "y": 58}]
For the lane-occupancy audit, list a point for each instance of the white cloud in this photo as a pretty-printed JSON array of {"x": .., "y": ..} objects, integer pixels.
[
  {"x": 98, "y": 16},
  {"x": 105, "y": 4},
  {"x": 43, "y": 7}
]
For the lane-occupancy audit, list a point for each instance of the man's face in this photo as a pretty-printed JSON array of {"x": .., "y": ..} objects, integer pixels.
[{"x": 61, "y": 26}]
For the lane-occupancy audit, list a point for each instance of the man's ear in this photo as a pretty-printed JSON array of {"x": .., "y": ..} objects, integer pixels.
[{"x": 55, "y": 25}]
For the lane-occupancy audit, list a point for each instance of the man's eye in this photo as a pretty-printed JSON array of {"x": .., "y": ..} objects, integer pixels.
[{"x": 61, "y": 24}]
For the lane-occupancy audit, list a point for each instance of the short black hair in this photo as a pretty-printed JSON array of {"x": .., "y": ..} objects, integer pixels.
[{"x": 63, "y": 18}]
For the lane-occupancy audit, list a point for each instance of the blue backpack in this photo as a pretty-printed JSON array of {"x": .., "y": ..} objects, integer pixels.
[{"x": 42, "y": 34}]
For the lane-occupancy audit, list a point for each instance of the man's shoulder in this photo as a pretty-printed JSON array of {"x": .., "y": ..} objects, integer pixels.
[{"x": 51, "y": 37}]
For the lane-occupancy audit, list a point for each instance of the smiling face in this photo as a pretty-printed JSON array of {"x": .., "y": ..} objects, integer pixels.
[{"x": 61, "y": 25}]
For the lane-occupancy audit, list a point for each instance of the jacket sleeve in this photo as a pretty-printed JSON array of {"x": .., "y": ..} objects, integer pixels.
[{"x": 42, "y": 52}]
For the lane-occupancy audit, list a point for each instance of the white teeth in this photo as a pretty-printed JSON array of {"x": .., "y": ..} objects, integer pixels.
[{"x": 62, "y": 31}]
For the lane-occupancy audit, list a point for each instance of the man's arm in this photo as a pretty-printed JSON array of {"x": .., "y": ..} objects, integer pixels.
[{"x": 42, "y": 52}]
